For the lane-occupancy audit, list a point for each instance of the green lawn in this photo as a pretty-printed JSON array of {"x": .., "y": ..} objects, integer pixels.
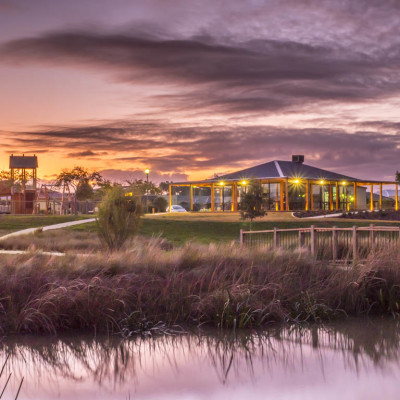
[
  {"x": 11, "y": 223},
  {"x": 179, "y": 230}
]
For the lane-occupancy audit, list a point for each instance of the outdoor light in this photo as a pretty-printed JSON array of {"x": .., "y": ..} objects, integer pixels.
[
  {"x": 344, "y": 183},
  {"x": 296, "y": 181},
  {"x": 221, "y": 183},
  {"x": 243, "y": 182},
  {"x": 321, "y": 182},
  {"x": 146, "y": 171}
]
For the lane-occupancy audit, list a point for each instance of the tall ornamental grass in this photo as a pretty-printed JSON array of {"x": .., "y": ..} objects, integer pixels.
[{"x": 225, "y": 286}]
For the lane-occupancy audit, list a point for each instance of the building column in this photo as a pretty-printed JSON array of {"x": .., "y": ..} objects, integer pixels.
[
  {"x": 281, "y": 196},
  {"x": 371, "y": 205},
  {"x": 337, "y": 196},
  {"x": 287, "y": 194},
  {"x": 312, "y": 196},
  {"x": 380, "y": 196},
  {"x": 234, "y": 196},
  {"x": 212, "y": 197},
  {"x": 330, "y": 197},
  {"x": 355, "y": 196},
  {"x": 396, "y": 204},
  {"x": 307, "y": 195},
  {"x": 191, "y": 197},
  {"x": 170, "y": 198}
]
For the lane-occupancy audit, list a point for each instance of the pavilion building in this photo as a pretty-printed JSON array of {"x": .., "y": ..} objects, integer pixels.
[{"x": 286, "y": 185}]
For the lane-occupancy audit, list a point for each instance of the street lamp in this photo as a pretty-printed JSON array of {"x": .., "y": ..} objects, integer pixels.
[{"x": 147, "y": 171}]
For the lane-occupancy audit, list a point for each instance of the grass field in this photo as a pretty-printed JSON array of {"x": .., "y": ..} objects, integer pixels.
[
  {"x": 12, "y": 223},
  {"x": 180, "y": 228},
  {"x": 220, "y": 228}
]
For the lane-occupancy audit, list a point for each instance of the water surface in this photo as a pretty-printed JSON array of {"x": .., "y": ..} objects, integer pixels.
[{"x": 349, "y": 360}]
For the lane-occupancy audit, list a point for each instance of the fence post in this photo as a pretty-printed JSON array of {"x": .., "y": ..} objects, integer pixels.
[
  {"x": 334, "y": 243},
  {"x": 313, "y": 240},
  {"x": 354, "y": 242},
  {"x": 372, "y": 237},
  {"x": 276, "y": 239},
  {"x": 398, "y": 236},
  {"x": 300, "y": 240},
  {"x": 241, "y": 237}
]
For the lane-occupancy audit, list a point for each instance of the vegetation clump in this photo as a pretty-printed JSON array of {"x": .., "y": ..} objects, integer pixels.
[
  {"x": 118, "y": 218},
  {"x": 224, "y": 286},
  {"x": 252, "y": 203}
]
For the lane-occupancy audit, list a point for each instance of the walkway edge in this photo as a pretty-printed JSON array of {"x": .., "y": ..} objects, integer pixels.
[{"x": 46, "y": 228}]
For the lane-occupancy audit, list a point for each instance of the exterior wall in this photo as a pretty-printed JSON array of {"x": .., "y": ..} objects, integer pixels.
[
  {"x": 278, "y": 194},
  {"x": 362, "y": 198}
]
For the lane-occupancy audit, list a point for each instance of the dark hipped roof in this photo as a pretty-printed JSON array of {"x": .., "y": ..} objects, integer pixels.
[
  {"x": 284, "y": 169},
  {"x": 23, "y": 161}
]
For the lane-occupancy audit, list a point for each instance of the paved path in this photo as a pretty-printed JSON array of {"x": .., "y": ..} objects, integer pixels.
[
  {"x": 46, "y": 253},
  {"x": 47, "y": 228}
]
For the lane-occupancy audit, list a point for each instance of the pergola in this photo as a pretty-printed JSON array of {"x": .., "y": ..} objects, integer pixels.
[{"x": 289, "y": 185}]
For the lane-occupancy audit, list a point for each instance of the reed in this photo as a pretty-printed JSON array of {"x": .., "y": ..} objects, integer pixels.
[{"x": 145, "y": 289}]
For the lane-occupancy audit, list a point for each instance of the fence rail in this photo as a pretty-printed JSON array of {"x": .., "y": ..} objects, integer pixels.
[{"x": 326, "y": 243}]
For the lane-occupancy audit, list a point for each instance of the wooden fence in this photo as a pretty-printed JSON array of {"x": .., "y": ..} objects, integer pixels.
[{"x": 326, "y": 243}]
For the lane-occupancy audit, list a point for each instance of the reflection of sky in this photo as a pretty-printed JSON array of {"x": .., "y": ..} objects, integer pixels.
[{"x": 188, "y": 368}]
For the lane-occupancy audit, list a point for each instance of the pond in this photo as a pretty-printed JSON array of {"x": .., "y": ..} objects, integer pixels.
[{"x": 355, "y": 359}]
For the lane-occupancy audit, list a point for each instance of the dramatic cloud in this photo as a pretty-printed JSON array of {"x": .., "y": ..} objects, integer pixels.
[
  {"x": 86, "y": 153},
  {"x": 206, "y": 88},
  {"x": 168, "y": 148},
  {"x": 251, "y": 76},
  {"x": 122, "y": 176}
]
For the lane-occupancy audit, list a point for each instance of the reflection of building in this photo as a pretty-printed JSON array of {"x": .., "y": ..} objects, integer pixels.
[{"x": 286, "y": 185}]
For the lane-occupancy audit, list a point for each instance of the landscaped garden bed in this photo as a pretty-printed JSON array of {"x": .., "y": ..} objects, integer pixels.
[{"x": 384, "y": 215}]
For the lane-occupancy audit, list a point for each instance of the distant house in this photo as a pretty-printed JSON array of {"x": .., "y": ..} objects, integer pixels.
[{"x": 287, "y": 186}]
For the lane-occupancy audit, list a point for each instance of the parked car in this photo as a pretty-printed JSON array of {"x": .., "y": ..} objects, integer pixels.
[{"x": 176, "y": 209}]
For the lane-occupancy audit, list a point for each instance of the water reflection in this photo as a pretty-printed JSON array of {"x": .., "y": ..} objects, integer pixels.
[{"x": 355, "y": 359}]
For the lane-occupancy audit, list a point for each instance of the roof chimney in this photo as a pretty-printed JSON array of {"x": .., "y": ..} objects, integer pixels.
[{"x": 298, "y": 158}]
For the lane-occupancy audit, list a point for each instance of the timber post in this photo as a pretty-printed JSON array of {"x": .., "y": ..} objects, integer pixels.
[
  {"x": 300, "y": 240},
  {"x": 307, "y": 194},
  {"x": 191, "y": 197},
  {"x": 371, "y": 206},
  {"x": 372, "y": 237},
  {"x": 355, "y": 196},
  {"x": 334, "y": 243},
  {"x": 313, "y": 240},
  {"x": 241, "y": 237},
  {"x": 212, "y": 197},
  {"x": 276, "y": 239},
  {"x": 355, "y": 247}
]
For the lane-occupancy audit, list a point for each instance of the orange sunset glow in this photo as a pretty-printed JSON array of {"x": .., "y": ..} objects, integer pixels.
[{"x": 194, "y": 90}]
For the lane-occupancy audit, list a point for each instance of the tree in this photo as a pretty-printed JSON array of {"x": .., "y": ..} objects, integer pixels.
[
  {"x": 118, "y": 218},
  {"x": 160, "y": 204},
  {"x": 252, "y": 203},
  {"x": 164, "y": 186},
  {"x": 78, "y": 176},
  {"x": 139, "y": 187},
  {"x": 397, "y": 176},
  {"x": 84, "y": 191}
]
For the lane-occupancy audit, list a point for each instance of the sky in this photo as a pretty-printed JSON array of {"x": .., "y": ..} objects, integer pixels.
[{"x": 190, "y": 88}]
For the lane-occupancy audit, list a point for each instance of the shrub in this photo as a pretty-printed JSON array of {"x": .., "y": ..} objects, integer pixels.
[
  {"x": 252, "y": 203},
  {"x": 118, "y": 218},
  {"x": 160, "y": 204}
]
